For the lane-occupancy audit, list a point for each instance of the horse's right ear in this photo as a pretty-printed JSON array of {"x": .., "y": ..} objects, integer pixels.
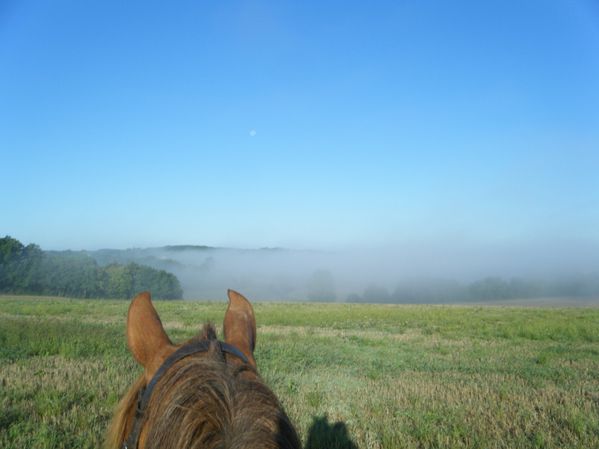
[
  {"x": 240, "y": 325},
  {"x": 146, "y": 337}
]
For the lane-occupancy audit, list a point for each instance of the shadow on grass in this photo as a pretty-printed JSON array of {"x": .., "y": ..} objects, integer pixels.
[{"x": 323, "y": 435}]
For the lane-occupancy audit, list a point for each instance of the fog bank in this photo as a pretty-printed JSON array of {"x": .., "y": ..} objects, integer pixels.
[{"x": 356, "y": 274}]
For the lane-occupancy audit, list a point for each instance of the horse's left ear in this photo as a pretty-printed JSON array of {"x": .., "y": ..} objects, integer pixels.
[
  {"x": 240, "y": 325},
  {"x": 146, "y": 337}
]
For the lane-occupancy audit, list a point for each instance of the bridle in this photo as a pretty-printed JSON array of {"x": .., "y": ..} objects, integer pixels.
[{"x": 146, "y": 392}]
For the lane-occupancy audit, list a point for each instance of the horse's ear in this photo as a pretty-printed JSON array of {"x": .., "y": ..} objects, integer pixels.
[
  {"x": 146, "y": 337},
  {"x": 240, "y": 325}
]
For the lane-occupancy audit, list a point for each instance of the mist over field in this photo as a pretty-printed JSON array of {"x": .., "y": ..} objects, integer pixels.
[{"x": 403, "y": 273}]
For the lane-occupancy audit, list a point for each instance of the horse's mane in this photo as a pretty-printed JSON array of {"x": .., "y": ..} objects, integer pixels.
[{"x": 202, "y": 402}]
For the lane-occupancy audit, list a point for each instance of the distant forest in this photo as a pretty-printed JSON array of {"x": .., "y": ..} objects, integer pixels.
[
  {"x": 584, "y": 286},
  {"x": 29, "y": 270},
  {"x": 267, "y": 274}
]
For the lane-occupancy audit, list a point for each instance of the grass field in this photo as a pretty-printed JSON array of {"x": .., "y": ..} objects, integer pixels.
[{"x": 350, "y": 376}]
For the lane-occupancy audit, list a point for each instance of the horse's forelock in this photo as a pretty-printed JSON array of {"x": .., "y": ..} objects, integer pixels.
[{"x": 208, "y": 332}]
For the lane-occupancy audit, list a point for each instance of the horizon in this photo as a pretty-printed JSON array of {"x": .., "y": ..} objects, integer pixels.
[
  {"x": 458, "y": 260},
  {"x": 450, "y": 274},
  {"x": 304, "y": 126}
]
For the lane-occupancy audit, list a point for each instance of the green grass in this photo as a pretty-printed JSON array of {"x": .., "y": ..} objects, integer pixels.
[{"x": 350, "y": 376}]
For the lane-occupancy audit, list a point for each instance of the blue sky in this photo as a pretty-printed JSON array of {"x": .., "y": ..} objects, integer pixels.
[{"x": 299, "y": 124}]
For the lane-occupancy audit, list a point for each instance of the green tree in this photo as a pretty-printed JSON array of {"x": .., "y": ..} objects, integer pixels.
[{"x": 28, "y": 269}]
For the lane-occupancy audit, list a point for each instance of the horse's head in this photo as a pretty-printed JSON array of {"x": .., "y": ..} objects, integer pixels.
[{"x": 203, "y": 393}]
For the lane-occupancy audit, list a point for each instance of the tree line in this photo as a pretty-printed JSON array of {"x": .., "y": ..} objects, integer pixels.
[
  {"x": 29, "y": 270},
  {"x": 321, "y": 287},
  {"x": 487, "y": 289}
]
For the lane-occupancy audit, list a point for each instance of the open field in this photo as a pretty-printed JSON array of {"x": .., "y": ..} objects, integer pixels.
[{"x": 350, "y": 376}]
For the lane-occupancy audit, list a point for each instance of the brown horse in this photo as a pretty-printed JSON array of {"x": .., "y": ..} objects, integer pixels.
[{"x": 202, "y": 394}]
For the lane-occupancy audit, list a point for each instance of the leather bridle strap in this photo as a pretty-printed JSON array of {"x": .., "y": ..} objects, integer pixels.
[{"x": 145, "y": 393}]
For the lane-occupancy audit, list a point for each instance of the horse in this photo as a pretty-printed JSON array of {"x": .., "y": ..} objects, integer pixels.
[{"x": 202, "y": 394}]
